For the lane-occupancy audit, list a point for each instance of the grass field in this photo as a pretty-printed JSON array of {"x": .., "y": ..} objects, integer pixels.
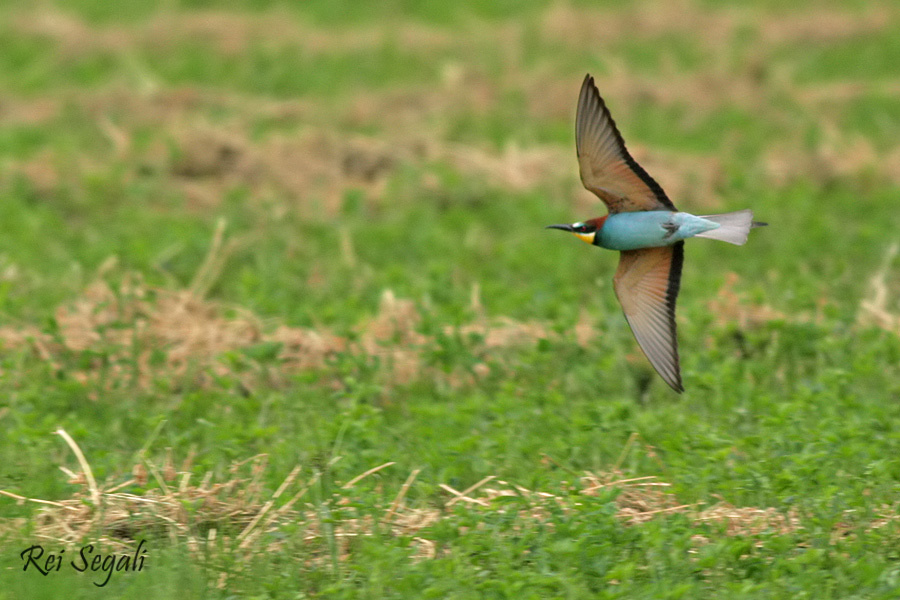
[{"x": 279, "y": 274}]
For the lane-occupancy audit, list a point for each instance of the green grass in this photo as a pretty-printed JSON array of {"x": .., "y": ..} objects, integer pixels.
[{"x": 791, "y": 400}]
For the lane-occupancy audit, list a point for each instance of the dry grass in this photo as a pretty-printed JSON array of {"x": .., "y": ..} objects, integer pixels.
[
  {"x": 879, "y": 308},
  {"x": 137, "y": 335},
  {"x": 585, "y": 27},
  {"x": 203, "y": 161},
  {"x": 837, "y": 156},
  {"x": 229, "y": 33},
  {"x": 230, "y": 519},
  {"x": 312, "y": 172},
  {"x": 731, "y": 307},
  {"x": 237, "y": 514}
]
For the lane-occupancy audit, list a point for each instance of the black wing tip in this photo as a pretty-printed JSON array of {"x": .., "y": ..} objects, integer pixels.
[
  {"x": 591, "y": 87},
  {"x": 588, "y": 92},
  {"x": 675, "y": 275},
  {"x": 671, "y": 298}
]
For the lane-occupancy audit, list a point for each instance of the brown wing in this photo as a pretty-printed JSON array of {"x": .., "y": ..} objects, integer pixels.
[
  {"x": 646, "y": 284},
  {"x": 606, "y": 167}
]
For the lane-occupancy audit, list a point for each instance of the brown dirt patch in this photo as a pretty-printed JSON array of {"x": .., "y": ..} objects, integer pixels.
[
  {"x": 204, "y": 161},
  {"x": 139, "y": 335}
]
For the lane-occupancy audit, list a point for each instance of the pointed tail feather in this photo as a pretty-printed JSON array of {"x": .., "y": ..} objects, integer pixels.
[{"x": 733, "y": 227}]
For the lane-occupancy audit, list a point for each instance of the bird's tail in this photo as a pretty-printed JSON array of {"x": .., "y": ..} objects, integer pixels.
[{"x": 733, "y": 227}]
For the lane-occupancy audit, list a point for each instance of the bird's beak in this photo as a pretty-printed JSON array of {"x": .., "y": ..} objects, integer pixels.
[{"x": 587, "y": 238}]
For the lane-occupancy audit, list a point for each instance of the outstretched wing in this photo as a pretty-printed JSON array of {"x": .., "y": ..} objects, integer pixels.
[
  {"x": 647, "y": 283},
  {"x": 606, "y": 167}
]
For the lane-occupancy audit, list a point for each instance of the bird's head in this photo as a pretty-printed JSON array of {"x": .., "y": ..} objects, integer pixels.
[{"x": 586, "y": 231}]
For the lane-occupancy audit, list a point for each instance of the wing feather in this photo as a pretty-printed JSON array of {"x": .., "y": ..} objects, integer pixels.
[
  {"x": 607, "y": 169},
  {"x": 647, "y": 283}
]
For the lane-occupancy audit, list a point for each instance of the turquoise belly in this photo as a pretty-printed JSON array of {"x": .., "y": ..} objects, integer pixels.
[{"x": 633, "y": 230}]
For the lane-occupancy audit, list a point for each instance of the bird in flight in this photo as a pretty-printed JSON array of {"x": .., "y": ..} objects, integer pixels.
[{"x": 645, "y": 227}]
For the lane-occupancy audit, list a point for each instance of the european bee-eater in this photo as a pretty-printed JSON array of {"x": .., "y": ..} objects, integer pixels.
[{"x": 645, "y": 227}]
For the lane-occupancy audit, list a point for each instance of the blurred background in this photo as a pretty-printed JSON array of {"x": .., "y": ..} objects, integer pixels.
[
  {"x": 314, "y": 230},
  {"x": 420, "y": 129}
]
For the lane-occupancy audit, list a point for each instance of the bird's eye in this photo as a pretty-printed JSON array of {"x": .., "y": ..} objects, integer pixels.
[{"x": 581, "y": 228}]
